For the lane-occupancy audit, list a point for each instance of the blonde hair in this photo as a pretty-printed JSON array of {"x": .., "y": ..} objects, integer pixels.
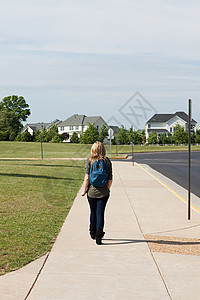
[{"x": 98, "y": 151}]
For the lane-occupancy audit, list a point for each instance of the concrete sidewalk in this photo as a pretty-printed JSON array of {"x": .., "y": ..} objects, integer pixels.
[{"x": 123, "y": 267}]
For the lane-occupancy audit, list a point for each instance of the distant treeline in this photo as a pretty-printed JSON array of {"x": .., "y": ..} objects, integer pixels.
[{"x": 14, "y": 110}]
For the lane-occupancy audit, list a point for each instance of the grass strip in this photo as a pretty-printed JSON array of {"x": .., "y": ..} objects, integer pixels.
[
  {"x": 125, "y": 149},
  {"x": 68, "y": 150},
  {"x": 50, "y": 150},
  {"x": 35, "y": 198}
]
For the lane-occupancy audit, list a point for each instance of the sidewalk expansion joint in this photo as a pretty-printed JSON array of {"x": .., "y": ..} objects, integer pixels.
[
  {"x": 155, "y": 262},
  {"x": 31, "y": 288}
]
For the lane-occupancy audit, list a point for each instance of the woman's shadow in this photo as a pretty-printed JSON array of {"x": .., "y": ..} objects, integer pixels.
[
  {"x": 121, "y": 241},
  {"x": 159, "y": 241}
]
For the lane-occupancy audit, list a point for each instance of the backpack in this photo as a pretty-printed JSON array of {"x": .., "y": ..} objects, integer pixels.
[{"x": 99, "y": 173}]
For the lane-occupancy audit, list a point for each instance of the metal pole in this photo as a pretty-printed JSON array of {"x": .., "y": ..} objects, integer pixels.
[
  {"x": 132, "y": 145},
  {"x": 116, "y": 144},
  {"x": 189, "y": 157},
  {"x": 41, "y": 145},
  {"x": 110, "y": 146}
]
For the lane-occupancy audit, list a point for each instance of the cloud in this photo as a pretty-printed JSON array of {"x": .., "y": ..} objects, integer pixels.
[
  {"x": 88, "y": 52},
  {"x": 104, "y": 27}
]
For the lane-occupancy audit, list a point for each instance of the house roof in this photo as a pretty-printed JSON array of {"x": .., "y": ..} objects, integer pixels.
[
  {"x": 90, "y": 120},
  {"x": 184, "y": 116},
  {"x": 157, "y": 130},
  {"x": 39, "y": 126},
  {"x": 161, "y": 118},
  {"x": 73, "y": 120},
  {"x": 79, "y": 120}
]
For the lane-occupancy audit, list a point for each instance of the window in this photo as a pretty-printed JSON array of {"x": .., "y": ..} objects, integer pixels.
[
  {"x": 76, "y": 127},
  {"x": 71, "y": 127},
  {"x": 62, "y": 128},
  {"x": 97, "y": 127},
  {"x": 170, "y": 129},
  {"x": 149, "y": 125}
]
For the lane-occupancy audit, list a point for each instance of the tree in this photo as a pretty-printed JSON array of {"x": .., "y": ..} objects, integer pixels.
[
  {"x": 163, "y": 139},
  {"x": 130, "y": 136},
  {"x": 57, "y": 138},
  {"x": 121, "y": 136},
  {"x": 103, "y": 133},
  {"x": 170, "y": 139},
  {"x": 9, "y": 125},
  {"x": 91, "y": 135},
  {"x": 114, "y": 141},
  {"x": 136, "y": 136},
  {"x": 193, "y": 137},
  {"x": 180, "y": 136},
  {"x": 24, "y": 137},
  {"x": 51, "y": 133},
  {"x": 36, "y": 136},
  {"x": 13, "y": 111},
  {"x": 197, "y": 138},
  {"x": 153, "y": 138},
  {"x": 75, "y": 138},
  {"x": 143, "y": 136},
  {"x": 44, "y": 135},
  {"x": 17, "y": 105}
]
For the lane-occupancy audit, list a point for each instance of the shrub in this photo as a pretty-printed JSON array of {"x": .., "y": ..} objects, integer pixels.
[{"x": 74, "y": 138}]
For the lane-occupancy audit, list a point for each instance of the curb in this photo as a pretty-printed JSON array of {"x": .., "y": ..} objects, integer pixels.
[{"x": 119, "y": 157}]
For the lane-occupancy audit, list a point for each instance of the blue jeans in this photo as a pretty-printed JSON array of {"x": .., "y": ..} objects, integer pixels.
[{"x": 97, "y": 209}]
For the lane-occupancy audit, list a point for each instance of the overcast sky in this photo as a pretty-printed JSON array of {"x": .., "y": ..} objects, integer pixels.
[{"x": 92, "y": 56}]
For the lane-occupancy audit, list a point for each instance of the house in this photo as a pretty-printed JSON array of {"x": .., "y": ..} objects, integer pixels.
[
  {"x": 79, "y": 124},
  {"x": 38, "y": 126},
  {"x": 165, "y": 123}
]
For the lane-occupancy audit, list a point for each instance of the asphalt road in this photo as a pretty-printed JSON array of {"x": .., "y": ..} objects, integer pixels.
[{"x": 174, "y": 165}]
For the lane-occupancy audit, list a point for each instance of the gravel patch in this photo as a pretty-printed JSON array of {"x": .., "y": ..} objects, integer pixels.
[{"x": 174, "y": 245}]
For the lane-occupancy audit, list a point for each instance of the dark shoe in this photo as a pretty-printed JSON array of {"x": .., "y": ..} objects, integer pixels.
[
  {"x": 92, "y": 232},
  {"x": 99, "y": 235}
]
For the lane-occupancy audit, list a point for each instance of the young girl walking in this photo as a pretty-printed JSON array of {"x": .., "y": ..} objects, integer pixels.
[{"x": 97, "y": 183}]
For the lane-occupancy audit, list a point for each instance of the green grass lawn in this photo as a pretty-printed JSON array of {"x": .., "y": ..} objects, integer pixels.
[
  {"x": 137, "y": 148},
  {"x": 50, "y": 150},
  {"x": 36, "y": 195},
  {"x": 35, "y": 198},
  {"x": 63, "y": 150}
]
